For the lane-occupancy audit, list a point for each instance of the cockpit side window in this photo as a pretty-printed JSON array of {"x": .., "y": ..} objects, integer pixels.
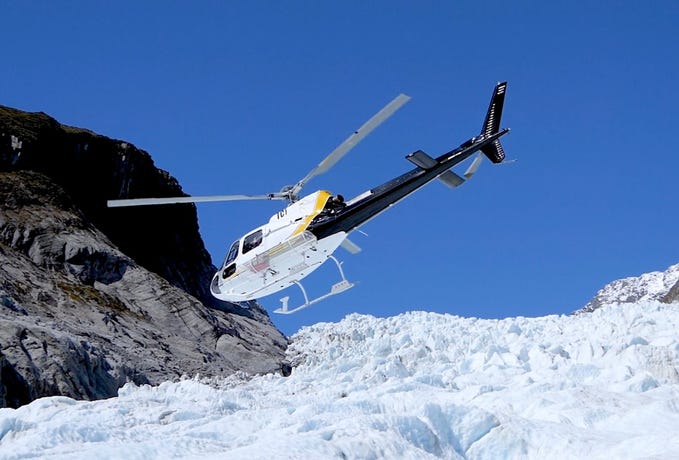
[
  {"x": 251, "y": 241},
  {"x": 233, "y": 252}
]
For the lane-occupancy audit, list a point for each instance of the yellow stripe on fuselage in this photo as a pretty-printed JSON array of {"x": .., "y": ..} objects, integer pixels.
[{"x": 321, "y": 200}]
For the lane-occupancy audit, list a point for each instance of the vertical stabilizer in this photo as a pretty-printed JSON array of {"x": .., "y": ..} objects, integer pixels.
[{"x": 491, "y": 125}]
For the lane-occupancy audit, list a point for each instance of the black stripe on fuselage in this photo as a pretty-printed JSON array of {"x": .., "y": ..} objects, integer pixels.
[{"x": 387, "y": 194}]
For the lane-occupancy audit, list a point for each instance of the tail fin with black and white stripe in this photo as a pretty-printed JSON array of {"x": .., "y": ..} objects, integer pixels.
[{"x": 491, "y": 125}]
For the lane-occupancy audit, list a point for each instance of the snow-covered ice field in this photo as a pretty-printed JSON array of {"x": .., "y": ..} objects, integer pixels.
[{"x": 418, "y": 385}]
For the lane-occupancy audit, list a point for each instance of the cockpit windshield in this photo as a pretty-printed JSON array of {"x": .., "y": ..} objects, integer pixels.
[{"x": 232, "y": 254}]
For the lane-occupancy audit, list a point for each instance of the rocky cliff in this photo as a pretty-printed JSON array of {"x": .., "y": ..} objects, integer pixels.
[
  {"x": 662, "y": 286},
  {"x": 91, "y": 297}
]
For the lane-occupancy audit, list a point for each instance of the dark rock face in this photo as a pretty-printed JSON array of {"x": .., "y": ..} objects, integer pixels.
[
  {"x": 93, "y": 169},
  {"x": 91, "y": 298},
  {"x": 672, "y": 295}
]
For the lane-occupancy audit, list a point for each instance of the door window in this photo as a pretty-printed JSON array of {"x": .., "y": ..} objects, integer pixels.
[{"x": 251, "y": 241}]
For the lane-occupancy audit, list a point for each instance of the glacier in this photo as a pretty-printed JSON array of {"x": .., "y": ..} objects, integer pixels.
[{"x": 419, "y": 385}]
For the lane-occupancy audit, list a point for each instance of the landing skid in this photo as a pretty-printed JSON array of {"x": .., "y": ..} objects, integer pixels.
[{"x": 336, "y": 288}]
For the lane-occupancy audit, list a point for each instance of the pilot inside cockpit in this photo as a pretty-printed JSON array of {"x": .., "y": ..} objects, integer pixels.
[{"x": 335, "y": 203}]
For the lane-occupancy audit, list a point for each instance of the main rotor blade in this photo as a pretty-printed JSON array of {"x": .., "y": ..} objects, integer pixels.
[
  {"x": 191, "y": 199},
  {"x": 351, "y": 141}
]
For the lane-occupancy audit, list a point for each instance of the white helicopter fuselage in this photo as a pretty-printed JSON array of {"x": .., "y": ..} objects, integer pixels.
[
  {"x": 275, "y": 255},
  {"x": 300, "y": 238}
]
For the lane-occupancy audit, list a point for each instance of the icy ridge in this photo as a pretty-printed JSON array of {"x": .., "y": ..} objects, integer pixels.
[
  {"x": 649, "y": 286},
  {"x": 365, "y": 349},
  {"x": 418, "y": 385}
]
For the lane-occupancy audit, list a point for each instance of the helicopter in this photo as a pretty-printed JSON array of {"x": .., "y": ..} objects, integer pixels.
[{"x": 304, "y": 235}]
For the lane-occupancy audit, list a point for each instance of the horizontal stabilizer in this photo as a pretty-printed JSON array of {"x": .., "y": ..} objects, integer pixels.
[
  {"x": 421, "y": 159},
  {"x": 424, "y": 161},
  {"x": 474, "y": 166},
  {"x": 350, "y": 246},
  {"x": 451, "y": 179}
]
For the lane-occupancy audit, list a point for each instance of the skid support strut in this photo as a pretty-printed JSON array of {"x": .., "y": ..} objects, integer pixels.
[{"x": 336, "y": 288}]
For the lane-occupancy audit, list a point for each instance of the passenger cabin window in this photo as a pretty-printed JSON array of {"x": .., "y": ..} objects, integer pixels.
[
  {"x": 251, "y": 241},
  {"x": 233, "y": 252}
]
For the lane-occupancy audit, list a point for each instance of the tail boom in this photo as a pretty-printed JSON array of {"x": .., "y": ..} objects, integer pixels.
[{"x": 369, "y": 204}]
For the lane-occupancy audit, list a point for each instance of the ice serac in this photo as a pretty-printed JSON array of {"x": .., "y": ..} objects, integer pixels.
[
  {"x": 90, "y": 297},
  {"x": 600, "y": 385},
  {"x": 662, "y": 286}
]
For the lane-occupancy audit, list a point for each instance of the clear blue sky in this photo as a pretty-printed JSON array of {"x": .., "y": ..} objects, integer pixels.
[{"x": 246, "y": 97}]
